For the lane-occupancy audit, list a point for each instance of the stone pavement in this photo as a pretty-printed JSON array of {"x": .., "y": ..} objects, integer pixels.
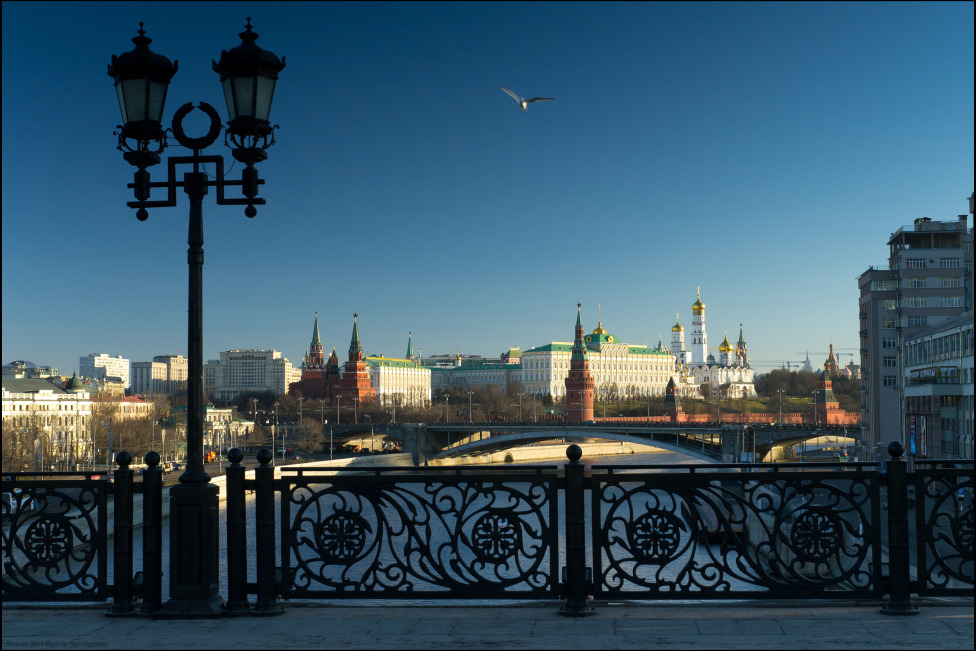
[{"x": 941, "y": 624}]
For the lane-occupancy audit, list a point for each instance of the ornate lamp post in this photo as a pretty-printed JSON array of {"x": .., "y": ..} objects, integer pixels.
[{"x": 248, "y": 75}]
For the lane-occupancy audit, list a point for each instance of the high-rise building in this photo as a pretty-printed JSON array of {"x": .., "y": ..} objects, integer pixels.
[
  {"x": 928, "y": 280},
  {"x": 102, "y": 367},
  {"x": 248, "y": 371},
  {"x": 165, "y": 374}
]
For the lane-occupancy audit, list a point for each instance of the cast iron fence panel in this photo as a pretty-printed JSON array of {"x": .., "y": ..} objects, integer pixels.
[
  {"x": 457, "y": 533},
  {"x": 54, "y": 537},
  {"x": 711, "y": 532},
  {"x": 944, "y": 527}
]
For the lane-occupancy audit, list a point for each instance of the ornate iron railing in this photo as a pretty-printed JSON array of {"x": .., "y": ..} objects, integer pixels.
[
  {"x": 653, "y": 532},
  {"x": 54, "y": 537},
  {"x": 457, "y": 533},
  {"x": 708, "y": 532},
  {"x": 944, "y": 527}
]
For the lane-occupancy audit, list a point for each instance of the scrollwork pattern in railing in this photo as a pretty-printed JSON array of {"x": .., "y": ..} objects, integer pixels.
[
  {"x": 54, "y": 544},
  {"x": 945, "y": 532},
  {"x": 441, "y": 538},
  {"x": 722, "y": 538}
]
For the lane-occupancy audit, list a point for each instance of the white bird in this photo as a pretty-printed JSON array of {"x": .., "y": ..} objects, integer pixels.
[{"x": 524, "y": 103}]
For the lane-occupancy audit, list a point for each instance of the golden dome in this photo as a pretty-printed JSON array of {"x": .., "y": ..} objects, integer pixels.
[
  {"x": 725, "y": 346},
  {"x": 599, "y": 329},
  {"x": 677, "y": 327},
  {"x": 698, "y": 307}
]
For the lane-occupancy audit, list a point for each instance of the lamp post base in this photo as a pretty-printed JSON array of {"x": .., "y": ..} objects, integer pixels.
[
  {"x": 194, "y": 535},
  {"x": 208, "y": 608}
]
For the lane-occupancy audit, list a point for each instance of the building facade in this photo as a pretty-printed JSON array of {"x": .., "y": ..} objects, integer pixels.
[
  {"x": 102, "y": 367},
  {"x": 928, "y": 281},
  {"x": 618, "y": 369},
  {"x": 244, "y": 371},
  {"x": 45, "y": 422},
  {"x": 164, "y": 375},
  {"x": 938, "y": 394}
]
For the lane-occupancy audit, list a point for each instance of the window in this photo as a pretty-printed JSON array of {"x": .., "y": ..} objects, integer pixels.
[
  {"x": 948, "y": 263},
  {"x": 889, "y": 342},
  {"x": 888, "y": 304},
  {"x": 888, "y": 381},
  {"x": 951, "y": 301},
  {"x": 888, "y": 324},
  {"x": 915, "y": 301},
  {"x": 889, "y": 361},
  {"x": 952, "y": 282},
  {"x": 915, "y": 263},
  {"x": 915, "y": 283},
  {"x": 883, "y": 286},
  {"x": 917, "y": 321}
]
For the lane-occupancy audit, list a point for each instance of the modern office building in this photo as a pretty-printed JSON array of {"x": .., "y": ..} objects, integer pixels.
[
  {"x": 164, "y": 375},
  {"x": 938, "y": 394},
  {"x": 928, "y": 281},
  {"x": 102, "y": 367},
  {"x": 248, "y": 371}
]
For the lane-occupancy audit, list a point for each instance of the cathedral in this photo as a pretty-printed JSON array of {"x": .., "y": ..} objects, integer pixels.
[{"x": 695, "y": 366}]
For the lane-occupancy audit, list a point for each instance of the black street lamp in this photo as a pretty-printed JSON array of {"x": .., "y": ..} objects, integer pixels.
[{"x": 248, "y": 75}]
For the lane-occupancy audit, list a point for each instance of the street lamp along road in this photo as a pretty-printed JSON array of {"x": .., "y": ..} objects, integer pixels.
[{"x": 248, "y": 75}]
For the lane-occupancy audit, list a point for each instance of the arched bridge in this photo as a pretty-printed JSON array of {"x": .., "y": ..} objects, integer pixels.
[{"x": 726, "y": 443}]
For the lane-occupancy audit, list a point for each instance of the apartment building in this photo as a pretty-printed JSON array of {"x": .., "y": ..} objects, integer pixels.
[{"x": 927, "y": 282}]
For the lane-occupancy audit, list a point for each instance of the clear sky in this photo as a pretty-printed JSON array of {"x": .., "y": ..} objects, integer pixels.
[{"x": 763, "y": 152}]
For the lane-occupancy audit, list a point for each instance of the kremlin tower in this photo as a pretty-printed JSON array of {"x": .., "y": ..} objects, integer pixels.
[
  {"x": 313, "y": 382},
  {"x": 354, "y": 387},
  {"x": 579, "y": 382}
]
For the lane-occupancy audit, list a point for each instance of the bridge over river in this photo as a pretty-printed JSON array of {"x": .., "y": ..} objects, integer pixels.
[{"x": 725, "y": 443}]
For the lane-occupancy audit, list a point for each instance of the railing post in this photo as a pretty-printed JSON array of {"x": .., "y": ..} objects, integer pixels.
[
  {"x": 576, "y": 605},
  {"x": 152, "y": 535},
  {"x": 900, "y": 602},
  {"x": 237, "y": 603},
  {"x": 122, "y": 590},
  {"x": 267, "y": 603}
]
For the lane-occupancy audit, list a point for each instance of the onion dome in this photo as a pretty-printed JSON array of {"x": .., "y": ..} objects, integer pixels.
[
  {"x": 599, "y": 329},
  {"x": 725, "y": 346},
  {"x": 698, "y": 307},
  {"x": 74, "y": 384},
  {"x": 677, "y": 327}
]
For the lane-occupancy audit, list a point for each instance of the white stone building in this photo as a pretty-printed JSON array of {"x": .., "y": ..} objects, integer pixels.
[{"x": 43, "y": 417}]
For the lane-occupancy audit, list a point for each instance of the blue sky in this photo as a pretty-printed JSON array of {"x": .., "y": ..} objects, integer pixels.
[{"x": 762, "y": 151}]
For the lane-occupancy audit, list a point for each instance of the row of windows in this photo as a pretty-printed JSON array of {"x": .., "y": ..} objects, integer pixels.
[
  {"x": 920, "y": 263},
  {"x": 949, "y": 346}
]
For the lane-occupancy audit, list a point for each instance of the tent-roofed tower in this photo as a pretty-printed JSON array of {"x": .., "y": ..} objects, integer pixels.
[
  {"x": 355, "y": 386},
  {"x": 579, "y": 382}
]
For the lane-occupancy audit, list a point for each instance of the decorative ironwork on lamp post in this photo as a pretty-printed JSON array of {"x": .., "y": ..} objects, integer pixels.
[{"x": 248, "y": 75}]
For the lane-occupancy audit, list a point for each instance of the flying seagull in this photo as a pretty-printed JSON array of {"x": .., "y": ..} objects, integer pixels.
[{"x": 524, "y": 103}]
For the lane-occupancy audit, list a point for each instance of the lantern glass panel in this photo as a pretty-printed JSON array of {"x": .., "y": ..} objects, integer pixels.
[
  {"x": 157, "y": 98},
  {"x": 134, "y": 93},
  {"x": 244, "y": 96},
  {"x": 229, "y": 98},
  {"x": 118, "y": 91},
  {"x": 265, "y": 91}
]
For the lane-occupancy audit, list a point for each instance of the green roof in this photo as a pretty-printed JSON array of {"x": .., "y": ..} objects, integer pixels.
[
  {"x": 390, "y": 362},
  {"x": 554, "y": 347}
]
